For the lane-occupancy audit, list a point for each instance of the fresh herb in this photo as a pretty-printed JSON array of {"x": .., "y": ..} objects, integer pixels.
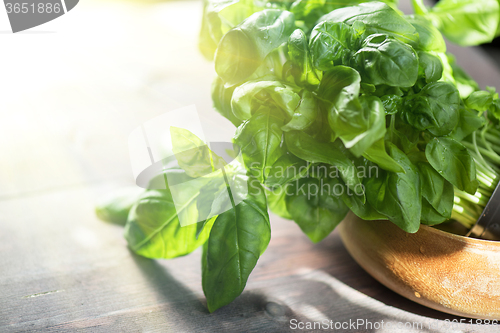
[{"x": 338, "y": 106}]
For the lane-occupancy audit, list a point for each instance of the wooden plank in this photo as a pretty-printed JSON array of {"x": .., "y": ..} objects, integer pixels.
[{"x": 63, "y": 270}]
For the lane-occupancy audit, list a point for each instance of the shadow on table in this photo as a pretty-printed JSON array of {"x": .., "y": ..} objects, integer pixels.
[
  {"x": 329, "y": 293},
  {"x": 246, "y": 313}
]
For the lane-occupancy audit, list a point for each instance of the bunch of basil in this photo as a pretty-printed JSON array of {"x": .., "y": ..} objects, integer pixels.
[{"x": 339, "y": 88}]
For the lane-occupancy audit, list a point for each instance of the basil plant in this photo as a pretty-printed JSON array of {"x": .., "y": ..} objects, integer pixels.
[{"x": 338, "y": 107}]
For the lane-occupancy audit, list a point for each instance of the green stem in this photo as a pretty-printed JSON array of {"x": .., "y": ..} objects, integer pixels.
[
  {"x": 485, "y": 152},
  {"x": 474, "y": 199},
  {"x": 481, "y": 151}
]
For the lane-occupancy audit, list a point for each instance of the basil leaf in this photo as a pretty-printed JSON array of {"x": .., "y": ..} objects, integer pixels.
[
  {"x": 369, "y": 128},
  {"x": 153, "y": 229},
  {"x": 383, "y": 89},
  {"x": 286, "y": 169},
  {"x": 392, "y": 103},
  {"x": 386, "y": 60},
  {"x": 362, "y": 210},
  {"x": 115, "y": 206},
  {"x": 404, "y": 136},
  {"x": 468, "y": 123},
  {"x": 307, "y": 148},
  {"x": 305, "y": 114},
  {"x": 237, "y": 239},
  {"x": 342, "y": 83},
  {"x": 259, "y": 139},
  {"x": 435, "y": 108},
  {"x": 243, "y": 49},
  {"x": 453, "y": 162},
  {"x": 303, "y": 72},
  {"x": 436, "y": 190},
  {"x": 212, "y": 199},
  {"x": 221, "y": 97},
  {"x": 377, "y": 154},
  {"x": 466, "y": 22},
  {"x": 219, "y": 16},
  {"x": 430, "y": 39},
  {"x": 276, "y": 201},
  {"x": 429, "y": 215},
  {"x": 309, "y": 11},
  {"x": 206, "y": 43},
  {"x": 358, "y": 122},
  {"x": 397, "y": 195},
  {"x": 192, "y": 154},
  {"x": 429, "y": 66},
  {"x": 378, "y": 18},
  {"x": 315, "y": 208},
  {"x": 367, "y": 88},
  {"x": 480, "y": 100},
  {"x": 332, "y": 43},
  {"x": 251, "y": 95}
]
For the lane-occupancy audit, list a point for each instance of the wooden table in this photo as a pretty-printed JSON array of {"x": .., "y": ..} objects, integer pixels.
[{"x": 64, "y": 124}]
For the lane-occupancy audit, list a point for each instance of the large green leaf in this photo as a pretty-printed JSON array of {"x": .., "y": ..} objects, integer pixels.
[
  {"x": 377, "y": 154},
  {"x": 386, "y": 60},
  {"x": 307, "y": 148},
  {"x": 359, "y": 127},
  {"x": 192, "y": 154},
  {"x": 482, "y": 100},
  {"x": 378, "y": 18},
  {"x": 436, "y": 190},
  {"x": 243, "y": 49},
  {"x": 435, "y": 108},
  {"x": 305, "y": 114},
  {"x": 469, "y": 122},
  {"x": 309, "y": 11},
  {"x": 286, "y": 169},
  {"x": 430, "y": 66},
  {"x": 362, "y": 210},
  {"x": 453, "y": 161},
  {"x": 252, "y": 95},
  {"x": 466, "y": 22},
  {"x": 115, "y": 206},
  {"x": 430, "y": 39},
  {"x": 342, "y": 83},
  {"x": 221, "y": 97},
  {"x": 429, "y": 215},
  {"x": 302, "y": 70},
  {"x": 397, "y": 195},
  {"x": 153, "y": 229},
  {"x": 206, "y": 42},
  {"x": 219, "y": 16},
  {"x": 315, "y": 207},
  {"x": 276, "y": 201},
  {"x": 332, "y": 43},
  {"x": 237, "y": 240},
  {"x": 358, "y": 122},
  {"x": 259, "y": 139}
]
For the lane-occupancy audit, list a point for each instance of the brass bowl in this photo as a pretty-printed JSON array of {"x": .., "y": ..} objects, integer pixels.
[{"x": 440, "y": 270}]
